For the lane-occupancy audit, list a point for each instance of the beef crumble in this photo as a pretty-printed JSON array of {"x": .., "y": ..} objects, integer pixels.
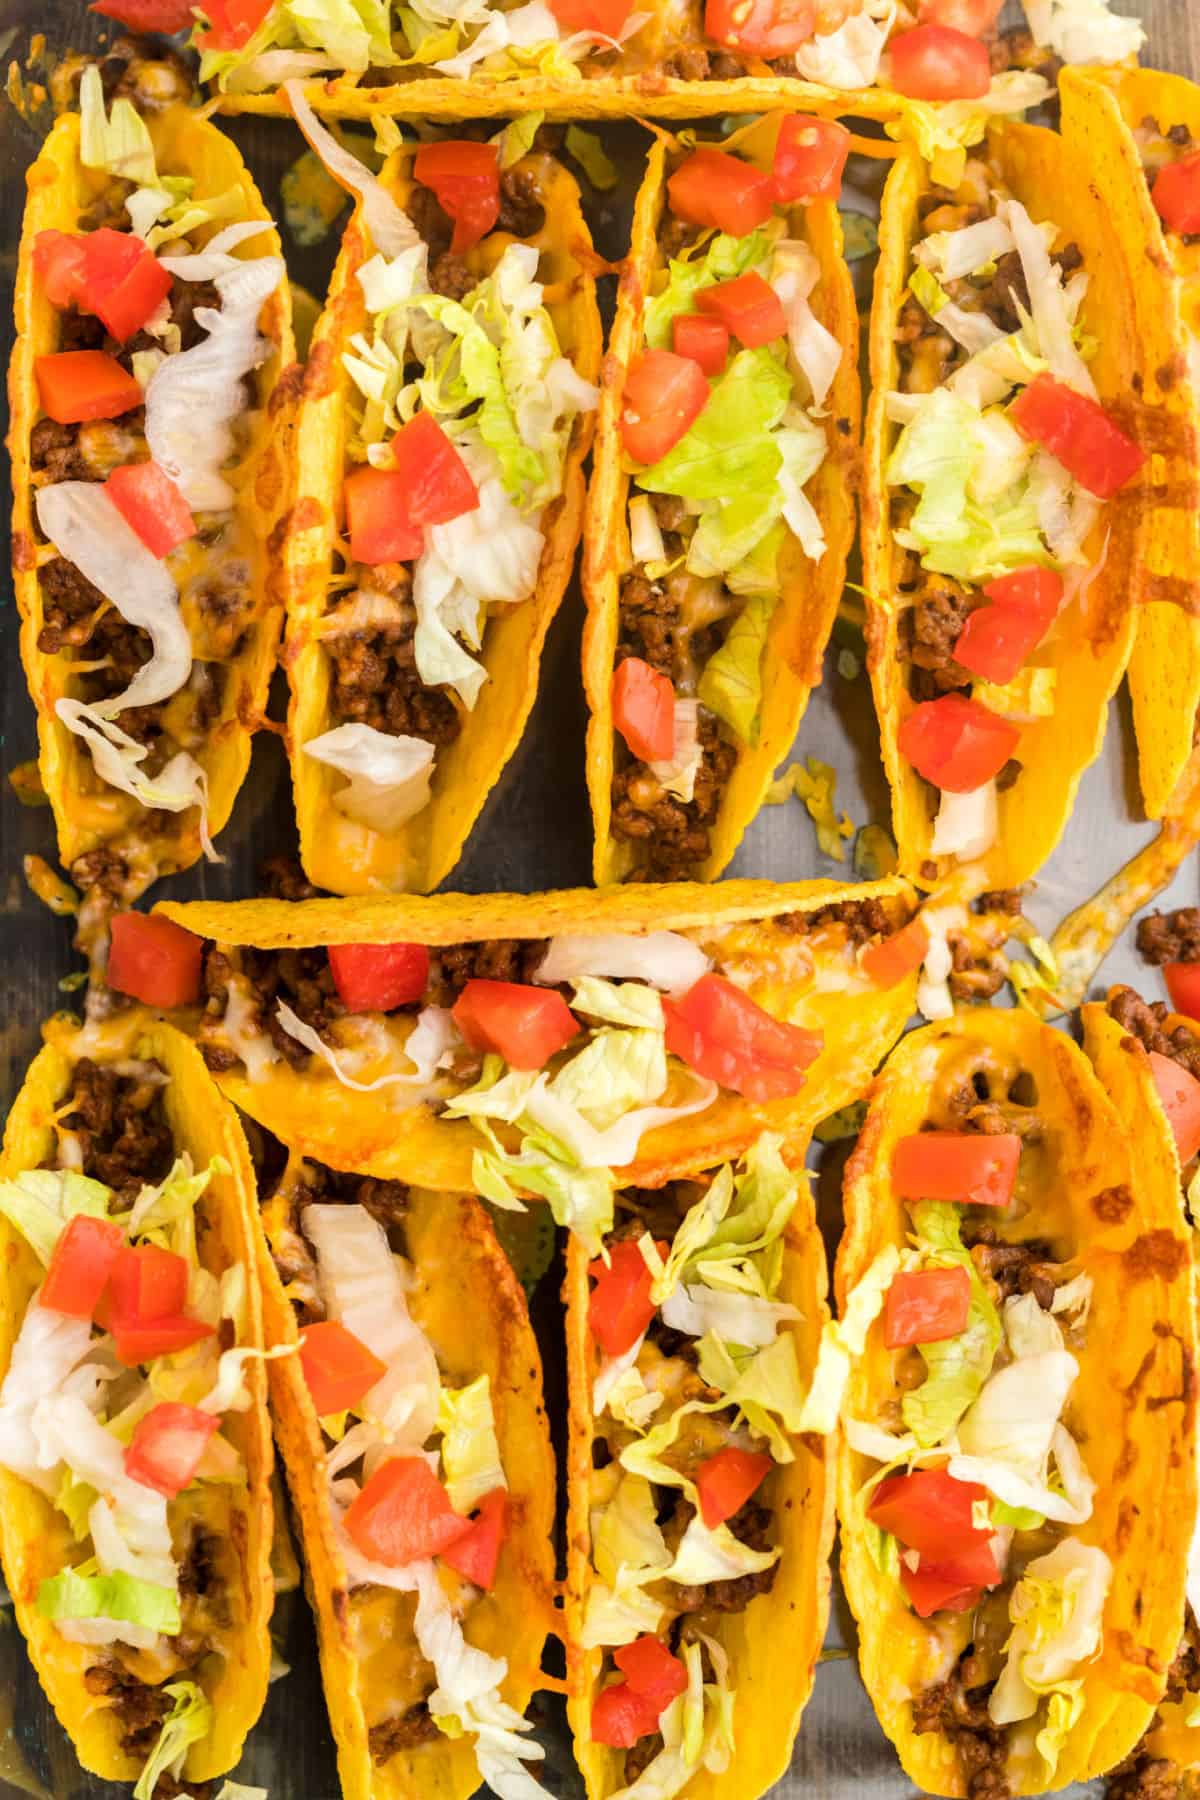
[
  {"x": 863, "y": 919},
  {"x": 120, "y": 1125},
  {"x": 416, "y": 1726},
  {"x": 1170, "y": 937},
  {"x": 375, "y": 682},
  {"x": 673, "y": 835},
  {"x": 929, "y": 629},
  {"x": 961, "y": 1713},
  {"x": 302, "y": 978},
  {"x": 451, "y": 966},
  {"x": 1148, "y": 1025},
  {"x": 1027, "y": 1268},
  {"x": 140, "y": 1708},
  {"x": 751, "y": 1525}
]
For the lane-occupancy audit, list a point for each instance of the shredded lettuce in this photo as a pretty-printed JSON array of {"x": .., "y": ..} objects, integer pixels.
[
  {"x": 846, "y": 1338},
  {"x": 189, "y": 1721},
  {"x": 729, "y": 450},
  {"x": 471, "y": 1464},
  {"x": 712, "y": 1553},
  {"x": 662, "y": 959},
  {"x": 74, "y": 1594},
  {"x": 721, "y": 259},
  {"x": 731, "y": 683},
  {"x": 944, "y": 130},
  {"x": 593, "y": 159},
  {"x": 1084, "y": 31},
  {"x": 1057, "y": 1612},
  {"x": 956, "y": 1368},
  {"x": 41, "y": 1202},
  {"x": 119, "y": 142},
  {"x": 815, "y": 783},
  {"x": 388, "y": 777}
]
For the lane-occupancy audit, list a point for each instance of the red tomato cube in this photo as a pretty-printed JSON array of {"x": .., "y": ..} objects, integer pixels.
[
  {"x": 154, "y": 960},
  {"x": 525, "y": 1025}
]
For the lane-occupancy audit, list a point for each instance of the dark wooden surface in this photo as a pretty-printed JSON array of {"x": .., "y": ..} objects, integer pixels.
[{"x": 535, "y": 833}]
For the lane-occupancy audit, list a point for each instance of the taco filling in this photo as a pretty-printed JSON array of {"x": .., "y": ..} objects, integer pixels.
[
  {"x": 127, "y": 1379},
  {"x": 461, "y": 413},
  {"x": 578, "y": 1044},
  {"x": 148, "y": 567},
  {"x": 696, "y": 1394},
  {"x": 999, "y": 478},
  {"x": 982, "y": 1481},
  {"x": 412, "y": 1470},
  {"x": 724, "y": 422}
]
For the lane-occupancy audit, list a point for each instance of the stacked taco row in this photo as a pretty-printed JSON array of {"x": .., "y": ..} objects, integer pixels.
[
  {"x": 1003, "y": 1411},
  {"x": 398, "y": 517}
]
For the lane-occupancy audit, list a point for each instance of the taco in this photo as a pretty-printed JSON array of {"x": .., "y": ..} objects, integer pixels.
[
  {"x": 997, "y": 541},
  {"x": 440, "y": 439},
  {"x": 700, "y": 1504},
  {"x": 1138, "y": 134},
  {"x": 135, "y": 1444},
  {"x": 153, "y": 317},
  {"x": 428, "y": 1558},
  {"x": 430, "y": 1039},
  {"x": 1147, "y": 1059},
  {"x": 948, "y": 68},
  {"x": 720, "y": 511},
  {"x": 1015, "y": 1293}
]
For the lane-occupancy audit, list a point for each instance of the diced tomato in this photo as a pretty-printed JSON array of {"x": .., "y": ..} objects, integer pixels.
[
  {"x": 146, "y": 1283},
  {"x": 142, "y": 1340},
  {"x": 154, "y": 960},
  {"x": 377, "y": 518},
  {"x": 934, "y": 62},
  {"x": 476, "y": 1554},
  {"x": 601, "y": 18},
  {"x": 810, "y": 157},
  {"x": 1176, "y": 194},
  {"x": 1180, "y": 1096},
  {"x": 438, "y": 484},
  {"x": 403, "y": 1514},
  {"x": 894, "y": 957},
  {"x": 664, "y": 395},
  {"x": 938, "y": 1587},
  {"x": 726, "y": 1481},
  {"x": 997, "y": 638},
  {"x": 75, "y": 385},
  {"x": 973, "y": 17},
  {"x": 971, "y": 1167},
  {"x": 748, "y": 307},
  {"x": 58, "y": 258},
  {"x": 620, "y": 1307},
  {"x": 722, "y": 1033},
  {"x": 79, "y": 1269},
  {"x": 620, "y": 1717},
  {"x": 148, "y": 500},
  {"x": 1076, "y": 430},
  {"x": 643, "y": 703},
  {"x": 929, "y": 1511},
  {"x": 1183, "y": 985},
  {"x": 379, "y": 977},
  {"x": 651, "y": 1671},
  {"x": 167, "y": 16},
  {"x": 924, "y": 1306},
  {"x": 123, "y": 281},
  {"x": 765, "y": 28},
  {"x": 525, "y": 1025},
  {"x": 338, "y": 1367},
  {"x": 465, "y": 176},
  {"x": 167, "y": 1446},
  {"x": 956, "y": 743},
  {"x": 713, "y": 188},
  {"x": 232, "y": 22},
  {"x": 705, "y": 340}
]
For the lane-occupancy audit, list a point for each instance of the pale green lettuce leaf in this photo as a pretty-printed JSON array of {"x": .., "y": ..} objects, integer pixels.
[
  {"x": 626, "y": 1540},
  {"x": 40, "y": 1203},
  {"x": 957, "y": 1367},
  {"x": 618, "y": 1002},
  {"x": 471, "y": 1465},
  {"x": 731, "y": 684},
  {"x": 118, "y": 1596},
  {"x": 845, "y": 1338},
  {"x": 118, "y": 142},
  {"x": 729, "y": 448},
  {"x": 189, "y": 1721},
  {"x": 722, "y": 259}
]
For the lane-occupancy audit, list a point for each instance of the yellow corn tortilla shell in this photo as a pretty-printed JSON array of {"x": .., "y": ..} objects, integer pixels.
[
  {"x": 1101, "y": 109},
  {"x": 1123, "y": 1070},
  {"x": 774, "y": 1644},
  {"x": 810, "y": 593},
  {"x": 468, "y": 1302},
  {"x": 1095, "y": 1189},
  {"x": 35, "y": 1539},
  {"x": 1094, "y": 634},
  {"x": 320, "y": 1118},
  {"x": 88, "y": 814},
  {"x": 337, "y": 852}
]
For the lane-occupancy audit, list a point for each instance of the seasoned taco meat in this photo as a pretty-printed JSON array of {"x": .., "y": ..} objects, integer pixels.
[
  {"x": 1027, "y": 1268},
  {"x": 140, "y": 1707},
  {"x": 375, "y": 682},
  {"x": 961, "y": 1713},
  {"x": 120, "y": 1126},
  {"x": 1170, "y": 937},
  {"x": 451, "y": 966},
  {"x": 863, "y": 919},
  {"x": 929, "y": 630},
  {"x": 673, "y": 834},
  {"x": 416, "y": 1726},
  {"x": 1147, "y": 1024}
]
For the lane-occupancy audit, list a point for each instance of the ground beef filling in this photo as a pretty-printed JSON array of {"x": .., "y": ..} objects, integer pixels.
[
  {"x": 863, "y": 919},
  {"x": 304, "y": 981},
  {"x": 1145, "y": 1777},
  {"x": 1027, "y": 1268},
  {"x": 375, "y": 679},
  {"x": 961, "y": 1714},
  {"x": 416, "y": 1726},
  {"x": 1170, "y": 937},
  {"x": 671, "y": 835},
  {"x": 1148, "y": 1025},
  {"x": 121, "y": 1127},
  {"x": 929, "y": 630},
  {"x": 140, "y": 1707}
]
